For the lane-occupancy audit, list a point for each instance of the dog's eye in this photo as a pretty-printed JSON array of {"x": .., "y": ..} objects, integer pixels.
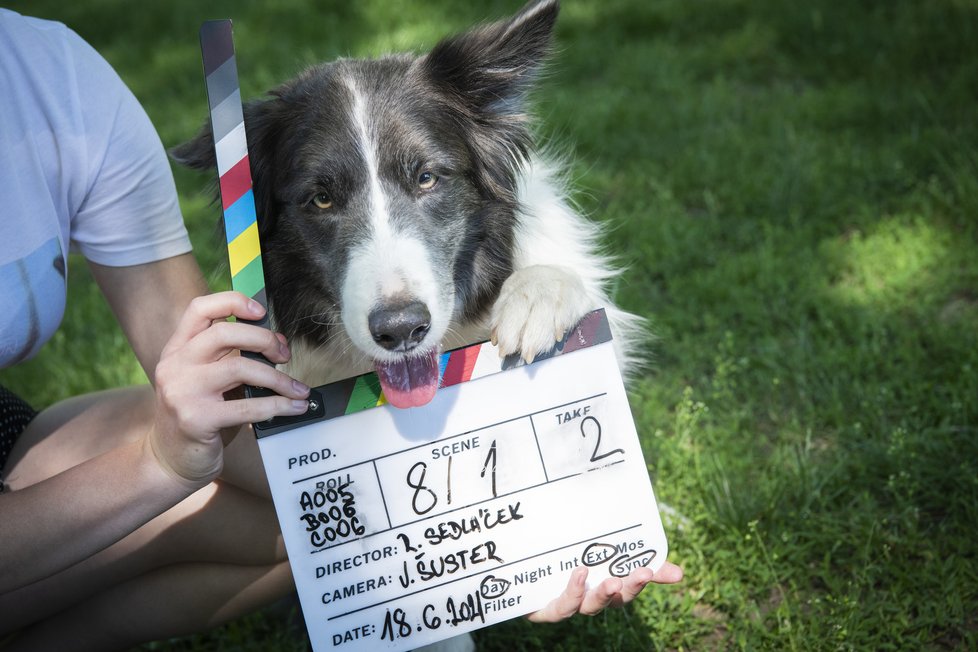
[
  {"x": 427, "y": 180},
  {"x": 322, "y": 201}
]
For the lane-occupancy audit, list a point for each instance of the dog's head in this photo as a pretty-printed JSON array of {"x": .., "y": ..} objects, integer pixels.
[{"x": 385, "y": 192}]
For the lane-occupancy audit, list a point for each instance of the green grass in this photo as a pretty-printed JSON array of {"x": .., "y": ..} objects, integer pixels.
[{"x": 794, "y": 187}]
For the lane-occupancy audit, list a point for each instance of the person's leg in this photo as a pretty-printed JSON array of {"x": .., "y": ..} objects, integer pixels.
[
  {"x": 82, "y": 427},
  {"x": 75, "y": 430},
  {"x": 170, "y": 601},
  {"x": 220, "y": 524}
]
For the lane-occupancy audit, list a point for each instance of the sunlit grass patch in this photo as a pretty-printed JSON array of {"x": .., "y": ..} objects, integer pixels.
[{"x": 902, "y": 259}]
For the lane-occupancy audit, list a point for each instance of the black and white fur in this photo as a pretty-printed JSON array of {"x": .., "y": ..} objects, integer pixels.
[{"x": 409, "y": 187}]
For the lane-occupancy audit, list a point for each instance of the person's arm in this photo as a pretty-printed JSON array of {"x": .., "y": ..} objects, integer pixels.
[
  {"x": 149, "y": 299},
  {"x": 60, "y": 521},
  {"x": 86, "y": 508}
]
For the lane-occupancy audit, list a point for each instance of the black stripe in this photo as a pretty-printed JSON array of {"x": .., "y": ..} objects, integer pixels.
[
  {"x": 216, "y": 44},
  {"x": 336, "y": 396}
]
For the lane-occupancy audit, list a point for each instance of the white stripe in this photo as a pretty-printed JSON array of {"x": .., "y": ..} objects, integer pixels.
[
  {"x": 231, "y": 149},
  {"x": 380, "y": 218},
  {"x": 488, "y": 362}
]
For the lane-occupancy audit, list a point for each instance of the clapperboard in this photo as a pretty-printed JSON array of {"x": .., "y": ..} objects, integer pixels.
[{"x": 405, "y": 527}]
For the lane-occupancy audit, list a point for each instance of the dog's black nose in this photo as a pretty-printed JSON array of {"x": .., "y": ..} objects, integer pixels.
[{"x": 400, "y": 328}]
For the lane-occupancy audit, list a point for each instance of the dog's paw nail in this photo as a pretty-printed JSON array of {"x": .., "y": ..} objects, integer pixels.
[
  {"x": 559, "y": 334},
  {"x": 493, "y": 338},
  {"x": 528, "y": 357}
]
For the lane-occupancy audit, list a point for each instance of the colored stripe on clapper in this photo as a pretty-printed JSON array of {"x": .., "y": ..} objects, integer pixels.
[
  {"x": 233, "y": 167},
  {"x": 460, "y": 366}
]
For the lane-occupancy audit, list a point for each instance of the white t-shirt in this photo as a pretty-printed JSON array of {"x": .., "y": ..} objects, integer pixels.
[{"x": 81, "y": 169}]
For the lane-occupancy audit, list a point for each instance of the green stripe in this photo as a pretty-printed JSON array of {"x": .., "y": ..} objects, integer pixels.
[
  {"x": 366, "y": 391},
  {"x": 250, "y": 280}
]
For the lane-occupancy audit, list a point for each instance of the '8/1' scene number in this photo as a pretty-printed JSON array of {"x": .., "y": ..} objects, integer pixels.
[{"x": 425, "y": 499}]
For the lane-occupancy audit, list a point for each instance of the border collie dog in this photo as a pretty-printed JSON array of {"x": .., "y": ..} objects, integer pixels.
[{"x": 404, "y": 210}]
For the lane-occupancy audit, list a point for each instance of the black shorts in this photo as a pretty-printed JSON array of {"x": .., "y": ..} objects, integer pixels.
[{"x": 15, "y": 414}]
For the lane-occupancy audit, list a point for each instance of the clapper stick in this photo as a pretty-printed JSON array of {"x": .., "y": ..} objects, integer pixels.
[
  {"x": 235, "y": 183},
  {"x": 233, "y": 167}
]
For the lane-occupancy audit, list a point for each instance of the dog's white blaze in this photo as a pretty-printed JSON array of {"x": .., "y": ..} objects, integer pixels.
[
  {"x": 379, "y": 216},
  {"x": 389, "y": 263},
  {"x": 392, "y": 285}
]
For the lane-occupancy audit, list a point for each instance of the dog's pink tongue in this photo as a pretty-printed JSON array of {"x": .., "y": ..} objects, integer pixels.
[{"x": 409, "y": 382}]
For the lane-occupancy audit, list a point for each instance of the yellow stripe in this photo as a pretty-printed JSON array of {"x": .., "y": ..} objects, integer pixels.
[
  {"x": 244, "y": 249},
  {"x": 381, "y": 399}
]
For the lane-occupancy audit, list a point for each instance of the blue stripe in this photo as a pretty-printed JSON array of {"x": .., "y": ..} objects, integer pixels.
[
  {"x": 442, "y": 363},
  {"x": 239, "y": 216}
]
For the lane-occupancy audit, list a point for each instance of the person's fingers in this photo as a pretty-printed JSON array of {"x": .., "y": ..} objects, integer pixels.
[
  {"x": 254, "y": 410},
  {"x": 638, "y": 579},
  {"x": 597, "y": 599},
  {"x": 668, "y": 574},
  {"x": 567, "y": 603},
  {"x": 611, "y": 592},
  {"x": 195, "y": 397},
  {"x": 205, "y": 310},
  {"x": 632, "y": 585},
  {"x": 223, "y": 337},
  {"x": 233, "y": 371}
]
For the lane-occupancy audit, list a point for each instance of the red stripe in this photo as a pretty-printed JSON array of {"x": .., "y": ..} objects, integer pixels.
[
  {"x": 235, "y": 182},
  {"x": 471, "y": 355},
  {"x": 460, "y": 366},
  {"x": 454, "y": 369}
]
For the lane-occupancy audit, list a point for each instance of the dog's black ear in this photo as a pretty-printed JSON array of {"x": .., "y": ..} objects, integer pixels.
[
  {"x": 261, "y": 126},
  {"x": 198, "y": 152},
  {"x": 487, "y": 73},
  {"x": 492, "y": 67}
]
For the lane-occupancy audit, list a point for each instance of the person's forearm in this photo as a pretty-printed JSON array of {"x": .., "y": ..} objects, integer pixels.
[{"x": 81, "y": 511}]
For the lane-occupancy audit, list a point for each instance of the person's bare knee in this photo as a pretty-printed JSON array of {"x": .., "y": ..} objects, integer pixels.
[{"x": 78, "y": 429}]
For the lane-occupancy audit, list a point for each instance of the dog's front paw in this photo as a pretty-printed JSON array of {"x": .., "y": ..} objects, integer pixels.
[{"x": 535, "y": 308}]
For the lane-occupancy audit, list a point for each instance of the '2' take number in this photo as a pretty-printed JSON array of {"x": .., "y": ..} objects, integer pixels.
[{"x": 595, "y": 455}]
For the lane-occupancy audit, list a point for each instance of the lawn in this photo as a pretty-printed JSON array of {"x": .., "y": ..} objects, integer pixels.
[{"x": 794, "y": 189}]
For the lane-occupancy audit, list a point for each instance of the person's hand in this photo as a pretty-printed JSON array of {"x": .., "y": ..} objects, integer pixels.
[
  {"x": 613, "y": 592},
  {"x": 198, "y": 366}
]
